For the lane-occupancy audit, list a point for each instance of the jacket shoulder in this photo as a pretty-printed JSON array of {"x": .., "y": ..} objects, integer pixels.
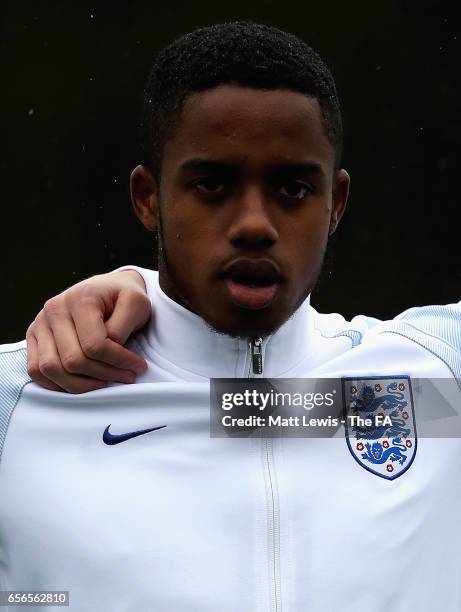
[
  {"x": 437, "y": 328},
  {"x": 334, "y": 325}
]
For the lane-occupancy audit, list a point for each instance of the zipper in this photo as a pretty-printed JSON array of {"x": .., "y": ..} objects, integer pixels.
[
  {"x": 256, "y": 357},
  {"x": 273, "y": 525},
  {"x": 272, "y": 502}
]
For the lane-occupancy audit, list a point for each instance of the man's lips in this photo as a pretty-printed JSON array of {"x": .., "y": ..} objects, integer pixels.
[
  {"x": 252, "y": 283},
  {"x": 251, "y": 296}
]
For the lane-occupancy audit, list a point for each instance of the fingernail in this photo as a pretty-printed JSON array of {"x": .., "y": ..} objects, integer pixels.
[
  {"x": 128, "y": 377},
  {"x": 140, "y": 368}
]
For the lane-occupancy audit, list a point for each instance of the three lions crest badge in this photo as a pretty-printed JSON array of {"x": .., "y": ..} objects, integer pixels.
[{"x": 380, "y": 423}]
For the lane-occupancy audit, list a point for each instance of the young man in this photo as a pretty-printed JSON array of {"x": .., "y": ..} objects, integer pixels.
[{"x": 121, "y": 496}]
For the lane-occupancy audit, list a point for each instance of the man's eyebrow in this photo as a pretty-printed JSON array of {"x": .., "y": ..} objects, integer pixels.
[
  {"x": 198, "y": 164},
  {"x": 299, "y": 168}
]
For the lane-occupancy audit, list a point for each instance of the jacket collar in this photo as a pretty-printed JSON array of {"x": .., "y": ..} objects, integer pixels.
[{"x": 181, "y": 338}]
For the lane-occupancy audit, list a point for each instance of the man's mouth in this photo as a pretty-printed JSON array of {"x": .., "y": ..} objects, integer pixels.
[
  {"x": 251, "y": 283},
  {"x": 251, "y": 296}
]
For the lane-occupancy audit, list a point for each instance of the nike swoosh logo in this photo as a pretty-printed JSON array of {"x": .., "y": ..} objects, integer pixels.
[{"x": 109, "y": 438}]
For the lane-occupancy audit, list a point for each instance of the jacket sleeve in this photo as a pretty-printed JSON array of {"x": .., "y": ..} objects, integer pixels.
[{"x": 13, "y": 377}]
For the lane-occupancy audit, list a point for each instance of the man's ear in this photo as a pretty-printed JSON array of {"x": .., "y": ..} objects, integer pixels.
[
  {"x": 143, "y": 189},
  {"x": 342, "y": 181}
]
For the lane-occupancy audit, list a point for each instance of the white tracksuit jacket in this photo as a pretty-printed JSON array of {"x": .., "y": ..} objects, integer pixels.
[{"x": 176, "y": 521}]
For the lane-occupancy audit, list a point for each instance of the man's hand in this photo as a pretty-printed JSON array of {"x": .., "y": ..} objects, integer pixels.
[{"x": 76, "y": 342}]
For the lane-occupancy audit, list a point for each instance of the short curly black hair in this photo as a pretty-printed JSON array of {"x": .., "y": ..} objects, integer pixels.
[{"x": 242, "y": 53}]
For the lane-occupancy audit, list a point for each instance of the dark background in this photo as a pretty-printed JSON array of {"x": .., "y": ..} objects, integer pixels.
[{"x": 71, "y": 87}]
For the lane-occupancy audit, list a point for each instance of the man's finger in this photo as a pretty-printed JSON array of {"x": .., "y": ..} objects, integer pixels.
[
  {"x": 50, "y": 366},
  {"x": 74, "y": 360},
  {"x": 32, "y": 364},
  {"x": 131, "y": 312},
  {"x": 95, "y": 343}
]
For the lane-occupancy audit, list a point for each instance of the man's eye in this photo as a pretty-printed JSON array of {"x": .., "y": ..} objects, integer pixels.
[
  {"x": 210, "y": 186},
  {"x": 296, "y": 190}
]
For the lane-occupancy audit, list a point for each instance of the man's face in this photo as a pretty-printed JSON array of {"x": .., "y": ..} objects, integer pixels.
[{"x": 246, "y": 201}]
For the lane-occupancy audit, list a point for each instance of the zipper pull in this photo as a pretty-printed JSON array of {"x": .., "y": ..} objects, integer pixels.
[{"x": 256, "y": 355}]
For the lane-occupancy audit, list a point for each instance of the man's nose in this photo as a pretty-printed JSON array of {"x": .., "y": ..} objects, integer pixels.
[{"x": 252, "y": 226}]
